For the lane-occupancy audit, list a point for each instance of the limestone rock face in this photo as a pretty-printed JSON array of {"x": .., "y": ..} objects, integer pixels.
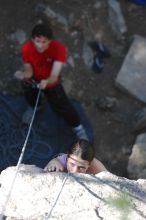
[
  {"x": 137, "y": 160},
  {"x": 37, "y": 195}
]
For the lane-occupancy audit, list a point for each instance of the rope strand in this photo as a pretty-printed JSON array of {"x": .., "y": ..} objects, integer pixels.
[{"x": 47, "y": 215}]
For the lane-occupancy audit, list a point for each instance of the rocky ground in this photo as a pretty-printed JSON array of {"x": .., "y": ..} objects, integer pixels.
[{"x": 110, "y": 111}]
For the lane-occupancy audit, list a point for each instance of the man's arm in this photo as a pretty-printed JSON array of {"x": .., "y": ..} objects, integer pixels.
[
  {"x": 26, "y": 73},
  {"x": 55, "y": 72}
]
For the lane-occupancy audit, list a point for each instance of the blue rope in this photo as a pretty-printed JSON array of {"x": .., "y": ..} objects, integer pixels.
[{"x": 12, "y": 136}]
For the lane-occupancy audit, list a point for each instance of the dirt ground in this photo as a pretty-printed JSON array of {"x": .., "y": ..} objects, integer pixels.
[{"x": 85, "y": 20}]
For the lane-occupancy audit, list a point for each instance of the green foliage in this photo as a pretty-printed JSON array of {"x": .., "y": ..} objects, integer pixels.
[{"x": 121, "y": 202}]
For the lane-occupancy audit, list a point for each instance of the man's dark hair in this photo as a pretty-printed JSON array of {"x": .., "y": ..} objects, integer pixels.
[
  {"x": 42, "y": 30},
  {"x": 83, "y": 149}
]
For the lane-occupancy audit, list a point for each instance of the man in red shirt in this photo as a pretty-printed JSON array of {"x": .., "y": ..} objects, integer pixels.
[{"x": 43, "y": 59}]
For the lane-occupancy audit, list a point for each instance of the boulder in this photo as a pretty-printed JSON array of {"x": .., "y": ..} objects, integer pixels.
[
  {"x": 38, "y": 195},
  {"x": 132, "y": 75},
  {"x": 137, "y": 160}
]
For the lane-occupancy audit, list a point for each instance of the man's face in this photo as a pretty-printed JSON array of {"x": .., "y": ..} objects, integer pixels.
[
  {"x": 41, "y": 43},
  {"x": 77, "y": 165}
]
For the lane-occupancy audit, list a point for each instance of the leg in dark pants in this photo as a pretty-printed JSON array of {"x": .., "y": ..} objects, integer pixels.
[
  {"x": 61, "y": 105},
  {"x": 30, "y": 93}
]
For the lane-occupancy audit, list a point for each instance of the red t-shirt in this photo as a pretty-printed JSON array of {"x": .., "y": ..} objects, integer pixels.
[{"x": 42, "y": 62}]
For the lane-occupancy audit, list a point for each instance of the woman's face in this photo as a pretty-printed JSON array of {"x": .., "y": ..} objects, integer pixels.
[
  {"x": 76, "y": 164},
  {"x": 41, "y": 43}
]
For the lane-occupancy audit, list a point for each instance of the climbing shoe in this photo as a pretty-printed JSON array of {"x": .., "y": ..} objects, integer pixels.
[
  {"x": 98, "y": 64},
  {"x": 100, "y": 48},
  {"x": 80, "y": 132}
]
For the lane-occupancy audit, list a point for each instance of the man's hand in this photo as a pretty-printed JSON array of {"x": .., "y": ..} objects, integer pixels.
[
  {"x": 54, "y": 165},
  {"x": 26, "y": 73},
  {"x": 19, "y": 75},
  {"x": 55, "y": 72},
  {"x": 43, "y": 84}
]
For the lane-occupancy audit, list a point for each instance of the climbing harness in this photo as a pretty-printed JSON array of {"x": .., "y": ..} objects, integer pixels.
[
  {"x": 31, "y": 82},
  {"x": 20, "y": 159}
]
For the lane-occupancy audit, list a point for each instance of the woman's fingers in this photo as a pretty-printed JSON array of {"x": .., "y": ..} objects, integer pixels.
[
  {"x": 54, "y": 167},
  {"x": 50, "y": 168}
]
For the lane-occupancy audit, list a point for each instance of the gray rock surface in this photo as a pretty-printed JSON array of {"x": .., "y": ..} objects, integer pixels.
[
  {"x": 39, "y": 195},
  {"x": 87, "y": 56},
  {"x": 116, "y": 18},
  {"x": 132, "y": 76},
  {"x": 19, "y": 36},
  {"x": 140, "y": 119},
  {"x": 51, "y": 14},
  {"x": 137, "y": 159}
]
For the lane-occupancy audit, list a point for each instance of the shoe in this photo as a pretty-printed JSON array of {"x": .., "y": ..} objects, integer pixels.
[
  {"x": 80, "y": 132},
  {"x": 98, "y": 64},
  {"x": 100, "y": 48},
  {"x": 27, "y": 116}
]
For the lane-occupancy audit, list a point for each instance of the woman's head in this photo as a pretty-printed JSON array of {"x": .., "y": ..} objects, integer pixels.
[{"x": 80, "y": 156}]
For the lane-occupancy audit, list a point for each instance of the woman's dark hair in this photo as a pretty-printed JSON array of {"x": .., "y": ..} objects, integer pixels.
[
  {"x": 83, "y": 149},
  {"x": 42, "y": 30}
]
